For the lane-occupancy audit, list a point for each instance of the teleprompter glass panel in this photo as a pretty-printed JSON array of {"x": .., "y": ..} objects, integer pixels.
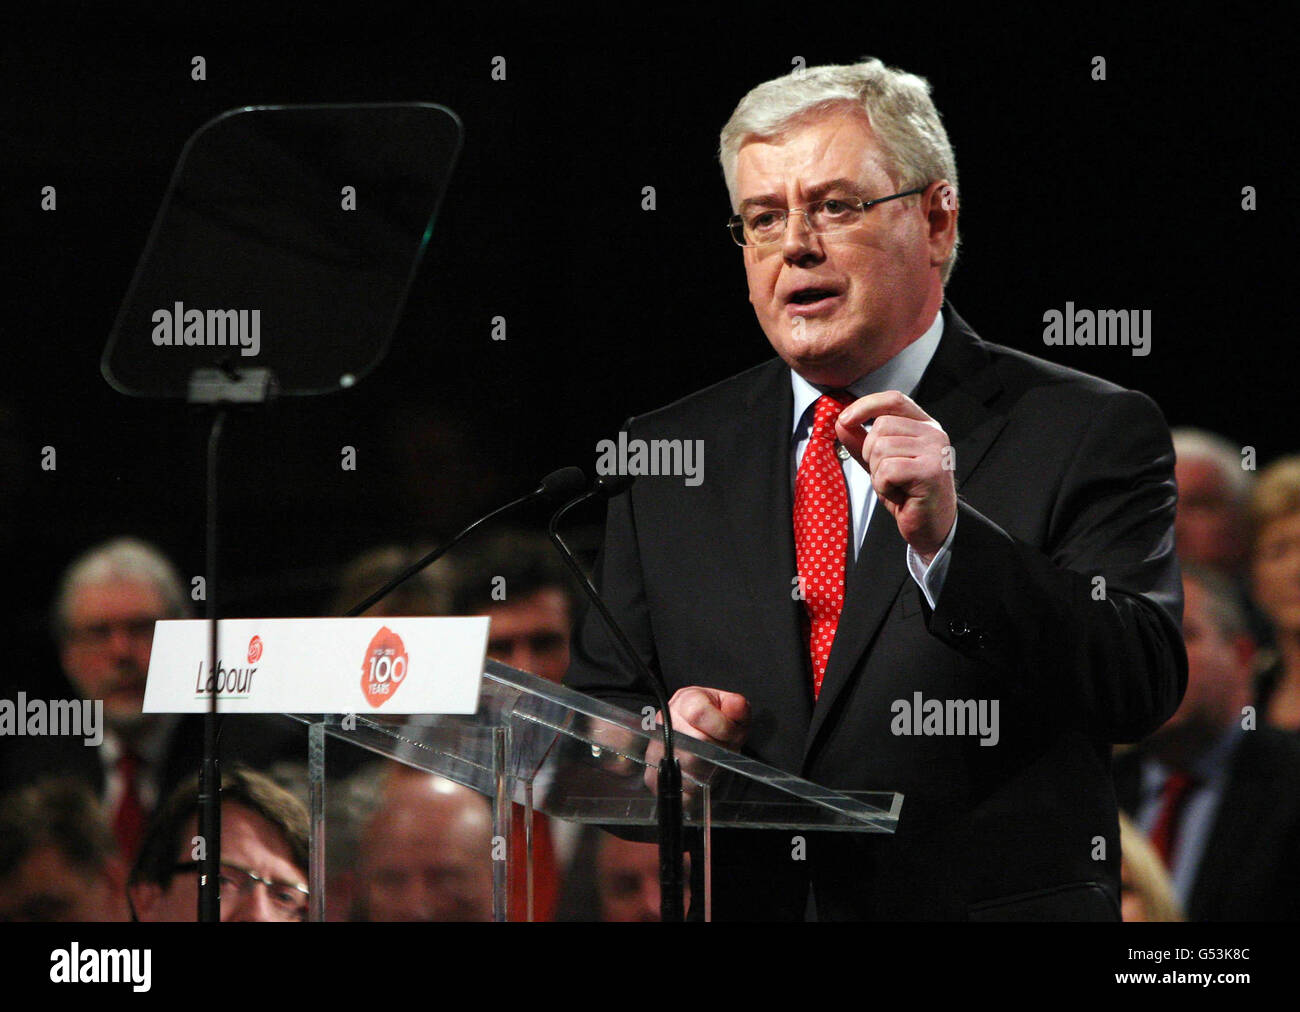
[{"x": 287, "y": 240}]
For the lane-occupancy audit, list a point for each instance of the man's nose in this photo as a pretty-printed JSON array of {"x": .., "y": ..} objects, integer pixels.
[
  {"x": 120, "y": 642},
  {"x": 254, "y": 905},
  {"x": 800, "y": 242},
  {"x": 649, "y": 899},
  {"x": 525, "y": 659}
]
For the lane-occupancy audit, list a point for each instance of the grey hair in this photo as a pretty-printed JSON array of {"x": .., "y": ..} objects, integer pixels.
[
  {"x": 123, "y": 559},
  {"x": 897, "y": 105},
  {"x": 1198, "y": 444}
]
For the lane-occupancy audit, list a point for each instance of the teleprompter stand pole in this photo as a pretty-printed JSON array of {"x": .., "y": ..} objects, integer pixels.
[{"x": 218, "y": 389}]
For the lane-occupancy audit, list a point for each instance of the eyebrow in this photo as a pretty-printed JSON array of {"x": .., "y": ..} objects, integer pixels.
[{"x": 814, "y": 193}]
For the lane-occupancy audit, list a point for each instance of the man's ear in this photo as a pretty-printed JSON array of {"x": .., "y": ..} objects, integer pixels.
[
  {"x": 143, "y": 897},
  {"x": 940, "y": 203}
]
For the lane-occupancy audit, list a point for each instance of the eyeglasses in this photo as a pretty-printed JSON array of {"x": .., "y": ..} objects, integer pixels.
[
  {"x": 288, "y": 899},
  {"x": 763, "y": 226},
  {"x": 139, "y": 630}
]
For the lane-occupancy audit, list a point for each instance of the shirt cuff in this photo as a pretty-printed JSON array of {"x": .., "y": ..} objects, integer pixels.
[{"x": 930, "y": 578}]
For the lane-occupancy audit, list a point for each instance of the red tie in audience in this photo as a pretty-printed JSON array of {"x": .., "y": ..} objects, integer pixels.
[
  {"x": 1164, "y": 833},
  {"x": 128, "y": 820}
]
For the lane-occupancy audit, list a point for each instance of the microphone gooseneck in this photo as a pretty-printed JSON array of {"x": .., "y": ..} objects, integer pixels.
[{"x": 556, "y": 485}]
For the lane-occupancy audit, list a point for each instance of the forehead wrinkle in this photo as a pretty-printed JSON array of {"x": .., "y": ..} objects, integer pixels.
[
  {"x": 814, "y": 192},
  {"x": 849, "y": 149}
]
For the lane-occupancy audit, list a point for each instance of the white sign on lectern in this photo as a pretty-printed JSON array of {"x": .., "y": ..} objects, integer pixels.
[{"x": 319, "y": 665}]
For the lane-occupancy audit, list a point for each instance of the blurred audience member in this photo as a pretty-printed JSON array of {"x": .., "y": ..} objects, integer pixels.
[
  {"x": 1213, "y": 493},
  {"x": 428, "y": 592},
  {"x": 1275, "y": 523},
  {"x": 519, "y": 582},
  {"x": 627, "y": 879},
  {"x": 350, "y": 801},
  {"x": 1212, "y": 523},
  {"x": 264, "y": 852},
  {"x": 1218, "y": 796},
  {"x": 426, "y": 853},
  {"x": 1148, "y": 895},
  {"x": 103, "y": 622},
  {"x": 58, "y": 858}
]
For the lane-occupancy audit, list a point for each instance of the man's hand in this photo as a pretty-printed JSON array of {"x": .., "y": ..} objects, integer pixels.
[
  {"x": 712, "y": 715},
  {"x": 911, "y": 465}
]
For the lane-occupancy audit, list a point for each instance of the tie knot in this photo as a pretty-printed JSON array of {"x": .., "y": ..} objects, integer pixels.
[{"x": 827, "y": 410}]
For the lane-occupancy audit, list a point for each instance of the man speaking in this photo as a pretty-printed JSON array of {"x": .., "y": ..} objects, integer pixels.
[{"x": 918, "y": 561}]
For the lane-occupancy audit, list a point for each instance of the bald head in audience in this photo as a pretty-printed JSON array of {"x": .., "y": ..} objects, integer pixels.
[{"x": 426, "y": 853}]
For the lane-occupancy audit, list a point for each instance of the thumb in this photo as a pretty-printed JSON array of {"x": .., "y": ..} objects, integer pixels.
[
  {"x": 734, "y": 706},
  {"x": 852, "y": 437}
]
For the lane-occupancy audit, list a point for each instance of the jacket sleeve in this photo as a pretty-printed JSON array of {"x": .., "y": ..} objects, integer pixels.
[{"x": 1089, "y": 623}]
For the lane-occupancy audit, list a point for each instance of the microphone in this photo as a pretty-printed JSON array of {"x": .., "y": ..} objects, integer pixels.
[
  {"x": 670, "y": 774},
  {"x": 555, "y": 486}
]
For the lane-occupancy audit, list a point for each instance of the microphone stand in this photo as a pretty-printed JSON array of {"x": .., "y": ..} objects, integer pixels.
[{"x": 669, "y": 808}]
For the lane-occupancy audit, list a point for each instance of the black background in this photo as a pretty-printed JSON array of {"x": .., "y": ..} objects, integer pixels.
[{"x": 1121, "y": 194}]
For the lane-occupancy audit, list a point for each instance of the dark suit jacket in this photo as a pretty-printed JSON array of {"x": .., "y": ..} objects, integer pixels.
[
  {"x": 1061, "y": 478},
  {"x": 1250, "y": 869}
]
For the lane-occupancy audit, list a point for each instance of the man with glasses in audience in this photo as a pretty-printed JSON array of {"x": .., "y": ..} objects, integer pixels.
[
  {"x": 102, "y": 622},
  {"x": 264, "y": 854}
]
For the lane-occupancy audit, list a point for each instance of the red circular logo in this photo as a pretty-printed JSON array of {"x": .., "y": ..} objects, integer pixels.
[{"x": 254, "y": 649}]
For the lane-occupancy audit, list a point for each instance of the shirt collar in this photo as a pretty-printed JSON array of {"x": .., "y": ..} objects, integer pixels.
[{"x": 902, "y": 372}]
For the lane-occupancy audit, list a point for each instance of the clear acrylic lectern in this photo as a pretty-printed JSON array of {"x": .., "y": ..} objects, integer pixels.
[{"x": 569, "y": 756}]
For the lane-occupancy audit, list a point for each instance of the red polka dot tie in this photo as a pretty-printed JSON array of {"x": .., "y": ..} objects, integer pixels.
[{"x": 821, "y": 532}]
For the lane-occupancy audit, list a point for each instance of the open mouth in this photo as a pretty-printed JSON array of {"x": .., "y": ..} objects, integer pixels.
[{"x": 808, "y": 296}]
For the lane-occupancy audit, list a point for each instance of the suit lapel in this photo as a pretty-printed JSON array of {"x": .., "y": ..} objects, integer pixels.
[{"x": 955, "y": 391}]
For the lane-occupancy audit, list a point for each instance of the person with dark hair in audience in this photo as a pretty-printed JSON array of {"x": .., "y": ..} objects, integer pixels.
[
  {"x": 627, "y": 879},
  {"x": 264, "y": 854},
  {"x": 519, "y": 582},
  {"x": 1275, "y": 575},
  {"x": 1217, "y": 793},
  {"x": 58, "y": 858}
]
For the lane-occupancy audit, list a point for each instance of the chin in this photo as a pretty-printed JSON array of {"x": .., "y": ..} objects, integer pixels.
[
  {"x": 826, "y": 363},
  {"x": 823, "y": 371}
]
